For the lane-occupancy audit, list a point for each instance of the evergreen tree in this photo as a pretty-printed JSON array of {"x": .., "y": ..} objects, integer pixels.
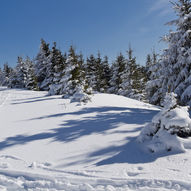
[
  {"x": 137, "y": 78},
  {"x": 128, "y": 78},
  {"x": 21, "y": 70},
  {"x": 117, "y": 69},
  {"x": 105, "y": 75},
  {"x": 41, "y": 63},
  {"x": 6, "y": 73},
  {"x": 91, "y": 72},
  {"x": 98, "y": 73},
  {"x": 1, "y": 77},
  {"x": 73, "y": 81},
  {"x": 174, "y": 69},
  {"x": 148, "y": 61},
  {"x": 18, "y": 77},
  {"x": 57, "y": 73},
  {"x": 55, "y": 69},
  {"x": 31, "y": 81},
  {"x": 153, "y": 80}
]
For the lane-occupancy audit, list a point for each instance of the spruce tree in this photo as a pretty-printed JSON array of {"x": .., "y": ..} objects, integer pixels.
[
  {"x": 31, "y": 81},
  {"x": 174, "y": 69},
  {"x": 98, "y": 73},
  {"x": 6, "y": 73},
  {"x": 136, "y": 76},
  {"x": 41, "y": 63},
  {"x": 91, "y": 72},
  {"x": 73, "y": 82},
  {"x": 1, "y": 77},
  {"x": 105, "y": 75},
  {"x": 54, "y": 70},
  {"x": 153, "y": 80},
  {"x": 117, "y": 69}
]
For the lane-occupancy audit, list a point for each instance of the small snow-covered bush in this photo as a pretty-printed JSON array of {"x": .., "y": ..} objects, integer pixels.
[
  {"x": 81, "y": 95},
  {"x": 167, "y": 126}
]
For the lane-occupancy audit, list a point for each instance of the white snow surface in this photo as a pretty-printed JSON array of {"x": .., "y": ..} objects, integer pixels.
[{"x": 50, "y": 144}]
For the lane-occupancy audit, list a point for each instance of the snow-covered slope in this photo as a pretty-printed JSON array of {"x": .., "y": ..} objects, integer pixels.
[{"x": 48, "y": 143}]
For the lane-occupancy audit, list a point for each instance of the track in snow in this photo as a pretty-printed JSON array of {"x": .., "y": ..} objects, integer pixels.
[{"x": 11, "y": 181}]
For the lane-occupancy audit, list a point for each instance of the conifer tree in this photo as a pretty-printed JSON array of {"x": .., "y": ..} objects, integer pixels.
[
  {"x": 55, "y": 69},
  {"x": 91, "y": 72},
  {"x": 31, "y": 81},
  {"x": 1, "y": 77},
  {"x": 116, "y": 70},
  {"x": 73, "y": 81},
  {"x": 174, "y": 69},
  {"x": 41, "y": 63},
  {"x": 6, "y": 73},
  {"x": 98, "y": 73},
  {"x": 136, "y": 77},
  {"x": 153, "y": 80},
  {"x": 105, "y": 75}
]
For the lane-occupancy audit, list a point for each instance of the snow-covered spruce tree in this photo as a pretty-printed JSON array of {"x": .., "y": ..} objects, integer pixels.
[
  {"x": 153, "y": 79},
  {"x": 6, "y": 73},
  {"x": 117, "y": 69},
  {"x": 171, "y": 122},
  {"x": 31, "y": 81},
  {"x": 105, "y": 75},
  {"x": 125, "y": 81},
  {"x": 74, "y": 83},
  {"x": 41, "y": 62},
  {"x": 151, "y": 61},
  {"x": 1, "y": 77},
  {"x": 174, "y": 69},
  {"x": 132, "y": 78},
  {"x": 98, "y": 72},
  {"x": 101, "y": 73},
  {"x": 22, "y": 76},
  {"x": 148, "y": 62},
  {"x": 139, "y": 83},
  {"x": 13, "y": 80},
  {"x": 91, "y": 72},
  {"x": 58, "y": 65},
  {"x": 55, "y": 67},
  {"x": 19, "y": 76}
]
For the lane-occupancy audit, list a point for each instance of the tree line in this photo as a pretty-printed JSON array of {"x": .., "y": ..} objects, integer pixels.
[{"x": 69, "y": 73}]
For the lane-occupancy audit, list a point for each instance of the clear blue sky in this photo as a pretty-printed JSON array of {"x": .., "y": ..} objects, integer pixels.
[{"x": 90, "y": 25}]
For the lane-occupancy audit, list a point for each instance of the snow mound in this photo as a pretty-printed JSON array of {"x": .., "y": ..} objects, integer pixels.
[
  {"x": 80, "y": 96},
  {"x": 166, "y": 127}
]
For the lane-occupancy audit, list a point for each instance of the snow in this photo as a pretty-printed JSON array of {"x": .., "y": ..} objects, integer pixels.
[
  {"x": 50, "y": 144},
  {"x": 162, "y": 133}
]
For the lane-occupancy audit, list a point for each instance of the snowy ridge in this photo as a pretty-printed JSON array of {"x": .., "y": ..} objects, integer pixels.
[{"x": 48, "y": 143}]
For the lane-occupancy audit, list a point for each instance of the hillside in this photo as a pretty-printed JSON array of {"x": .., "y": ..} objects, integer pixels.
[{"x": 48, "y": 143}]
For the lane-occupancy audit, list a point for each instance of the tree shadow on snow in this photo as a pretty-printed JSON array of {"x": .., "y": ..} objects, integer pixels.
[
  {"x": 35, "y": 99},
  {"x": 130, "y": 153},
  {"x": 105, "y": 118}
]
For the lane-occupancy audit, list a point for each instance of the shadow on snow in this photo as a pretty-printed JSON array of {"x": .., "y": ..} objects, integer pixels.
[
  {"x": 35, "y": 99},
  {"x": 105, "y": 119},
  {"x": 130, "y": 152}
]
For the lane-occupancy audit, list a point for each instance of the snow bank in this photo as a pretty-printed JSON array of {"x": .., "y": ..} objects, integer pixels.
[{"x": 166, "y": 127}]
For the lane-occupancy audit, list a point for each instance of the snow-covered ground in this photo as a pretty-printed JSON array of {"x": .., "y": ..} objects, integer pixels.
[{"x": 48, "y": 143}]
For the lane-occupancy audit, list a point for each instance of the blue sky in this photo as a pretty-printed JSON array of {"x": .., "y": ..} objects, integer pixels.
[{"x": 90, "y": 26}]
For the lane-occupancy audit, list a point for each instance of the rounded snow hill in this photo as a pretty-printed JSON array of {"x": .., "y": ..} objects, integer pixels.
[{"x": 48, "y": 143}]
